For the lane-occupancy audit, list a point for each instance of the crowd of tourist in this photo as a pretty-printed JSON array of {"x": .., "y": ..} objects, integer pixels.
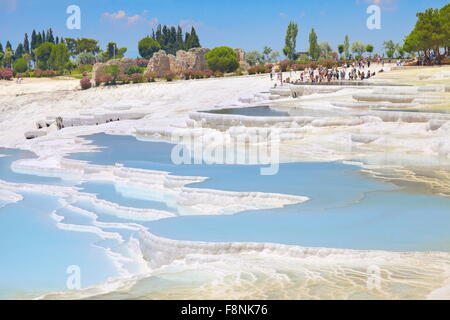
[{"x": 358, "y": 70}]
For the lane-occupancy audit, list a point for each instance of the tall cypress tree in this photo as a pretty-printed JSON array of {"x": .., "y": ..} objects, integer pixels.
[
  {"x": 187, "y": 41},
  {"x": 34, "y": 43},
  {"x": 33, "y": 40},
  {"x": 194, "y": 41},
  {"x": 57, "y": 40},
  {"x": 50, "y": 37},
  {"x": 179, "y": 39},
  {"x": 43, "y": 37},
  {"x": 1, "y": 48},
  {"x": 26, "y": 44},
  {"x": 39, "y": 40},
  {"x": 165, "y": 37},
  {"x": 19, "y": 52},
  {"x": 159, "y": 34},
  {"x": 314, "y": 50},
  {"x": 8, "y": 45}
]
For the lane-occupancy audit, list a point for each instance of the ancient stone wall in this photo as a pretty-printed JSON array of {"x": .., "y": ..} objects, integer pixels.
[
  {"x": 163, "y": 64},
  {"x": 123, "y": 63}
]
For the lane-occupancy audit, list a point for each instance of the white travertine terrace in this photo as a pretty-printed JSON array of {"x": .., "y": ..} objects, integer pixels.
[{"x": 379, "y": 139}]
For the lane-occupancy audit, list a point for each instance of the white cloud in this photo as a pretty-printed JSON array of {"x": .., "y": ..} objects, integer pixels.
[
  {"x": 115, "y": 15},
  {"x": 121, "y": 16},
  {"x": 134, "y": 19}
]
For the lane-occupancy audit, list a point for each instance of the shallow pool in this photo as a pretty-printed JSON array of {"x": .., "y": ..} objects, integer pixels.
[{"x": 347, "y": 209}]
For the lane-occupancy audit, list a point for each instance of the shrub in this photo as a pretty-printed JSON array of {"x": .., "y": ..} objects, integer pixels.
[
  {"x": 169, "y": 77},
  {"x": 208, "y": 74},
  {"x": 137, "y": 78},
  {"x": 142, "y": 63},
  {"x": 133, "y": 70},
  {"x": 123, "y": 78},
  {"x": 85, "y": 68},
  {"x": 86, "y": 58},
  {"x": 218, "y": 74},
  {"x": 223, "y": 59},
  {"x": 284, "y": 65},
  {"x": 187, "y": 74},
  {"x": 312, "y": 65},
  {"x": 258, "y": 69},
  {"x": 20, "y": 65},
  {"x": 106, "y": 79},
  {"x": 38, "y": 73},
  {"x": 112, "y": 70},
  {"x": 150, "y": 76},
  {"x": 6, "y": 74},
  {"x": 329, "y": 64},
  {"x": 85, "y": 83}
]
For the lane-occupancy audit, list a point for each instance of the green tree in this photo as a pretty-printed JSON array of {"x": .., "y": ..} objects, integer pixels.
[
  {"x": 223, "y": 59},
  {"x": 43, "y": 53},
  {"x": 347, "y": 47},
  {"x": 444, "y": 16},
  {"x": 390, "y": 47},
  {"x": 20, "y": 65},
  {"x": 369, "y": 49},
  {"x": 7, "y": 57},
  {"x": 267, "y": 51},
  {"x": 147, "y": 47},
  {"x": 290, "y": 45},
  {"x": 341, "y": 49},
  {"x": 19, "y": 51},
  {"x": 194, "y": 41},
  {"x": 358, "y": 48},
  {"x": 400, "y": 50},
  {"x": 34, "y": 43},
  {"x": 71, "y": 44},
  {"x": 254, "y": 57},
  {"x": 113, "y": 52},
  {"x": 50, "y": 37},
  {"x": 59, "y": 57},
  {"x": 325, "y": 48},
  {"x": 314, "y": 49},
  {"x": 26, "y": 44},
  {"x": 87, "y": 45},
  {"x": 86, "y": 58}
]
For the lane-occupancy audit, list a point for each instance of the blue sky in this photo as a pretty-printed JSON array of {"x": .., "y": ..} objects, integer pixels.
[{"x": 247, "y": 24}]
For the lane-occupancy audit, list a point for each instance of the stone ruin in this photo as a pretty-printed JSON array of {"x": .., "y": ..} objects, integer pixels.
[
  {"x": 123, "y": 63},
  {"x": 241, "y": 58},
  {"x": 163, "y": 64}
]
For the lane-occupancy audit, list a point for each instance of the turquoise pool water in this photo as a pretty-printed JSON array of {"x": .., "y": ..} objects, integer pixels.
[
  {"x": 35, "y": 254},
  {"x": 346, "y": 210},
  {"x": 6, "y": 174},
  {"x": 266, "y": 111}
]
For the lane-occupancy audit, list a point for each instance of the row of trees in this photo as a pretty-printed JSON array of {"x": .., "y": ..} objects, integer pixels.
[
  {"x": 169, "y": 39},
  {"x": 430, "y": 38},
  {"x": 322, "y": 50},
  {"x": 48, "y": 52},
  {"x": 267, "y": 55},
  {"x": 26, "y": 49}
]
